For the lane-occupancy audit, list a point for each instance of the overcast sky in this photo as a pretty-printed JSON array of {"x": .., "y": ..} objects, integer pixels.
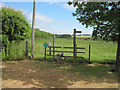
[{"x": 53, "y": 17}]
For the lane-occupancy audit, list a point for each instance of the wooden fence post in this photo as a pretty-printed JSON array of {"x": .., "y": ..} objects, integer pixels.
[
  {"x": 45, "y": 54},
  {"x": 89, "y": 51},
  {"x": 50, "y": 50},
  {"x": 26, "y": 48},
  {"x": 74, "y": 46},
  {"x": 76, "y": 51},
  {"x": 53, "y": 47}
]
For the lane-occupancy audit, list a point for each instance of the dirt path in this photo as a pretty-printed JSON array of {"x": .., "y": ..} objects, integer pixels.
[{"x": 35, "y": 74}]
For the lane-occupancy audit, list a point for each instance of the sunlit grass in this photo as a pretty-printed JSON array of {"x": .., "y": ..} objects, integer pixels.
[
  {"x": 100, "y": 50},
  {"x": 15, "y": 51}
]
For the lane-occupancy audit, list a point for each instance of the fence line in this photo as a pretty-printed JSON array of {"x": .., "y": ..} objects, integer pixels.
[
  {"x": 75, "y": 48},
  {"x": 50, "y": 51}
]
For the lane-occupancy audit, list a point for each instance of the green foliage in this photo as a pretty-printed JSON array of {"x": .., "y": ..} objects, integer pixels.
[
  {"x": 64, "y": 36},
  {"x": 42, "y": 34},
  {"x": 5, "y": 40},
  {"x": 14, "y": 25},
  {"x": 15, "y": 28},
  {"x": 103, "y": 16},
  {"x": 69, "y": 2}
]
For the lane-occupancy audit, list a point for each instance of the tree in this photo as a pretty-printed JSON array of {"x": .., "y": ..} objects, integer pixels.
[
  {"x": 64, "y": 36},
  {"x": 104, "y": 17},
  {"x": 14, "y": 25}
]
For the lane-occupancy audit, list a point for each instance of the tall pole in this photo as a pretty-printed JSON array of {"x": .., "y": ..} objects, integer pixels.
[{"x": 33, "y": 31}]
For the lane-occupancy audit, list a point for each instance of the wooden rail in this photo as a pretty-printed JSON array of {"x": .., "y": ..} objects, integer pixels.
[
  {"x": 65, "y": 51},
  {"x": 53, "y": 50},
  {"x": 68, "y": 47},
  {"x": 53, "y": 54},
  {"x": 66, "y": 56}
]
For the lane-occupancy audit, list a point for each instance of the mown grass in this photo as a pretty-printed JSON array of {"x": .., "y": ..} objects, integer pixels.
[
  {"x": 83, "y": 36},
  {"x": 101, "y": 51}
]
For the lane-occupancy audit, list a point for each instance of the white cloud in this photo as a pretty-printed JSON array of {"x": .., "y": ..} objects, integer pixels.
[
  {"x": 69, "y": 7},
  {"x": 41, "y": 17},
  {"x": 43, "y": 26},
  {"x": 55, "y": 2},
  {"x": 1, "y": 5}
]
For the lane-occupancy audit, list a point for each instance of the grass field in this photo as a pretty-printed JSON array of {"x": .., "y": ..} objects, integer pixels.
[
  {"x": 44, "y": 74},
  {"x": 101, "y": 51},
  {"x": 83, "y": 36}
]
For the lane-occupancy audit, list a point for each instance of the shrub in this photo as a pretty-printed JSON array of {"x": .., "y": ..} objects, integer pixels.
[
  {"x": 64, "y": 36},
  {"x": 14, "y": 25}
]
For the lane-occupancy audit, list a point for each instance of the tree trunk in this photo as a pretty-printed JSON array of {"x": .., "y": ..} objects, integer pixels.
[{"x": 117, "y": 57}]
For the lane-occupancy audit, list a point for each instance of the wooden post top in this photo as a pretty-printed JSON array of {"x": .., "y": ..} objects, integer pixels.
[
  {"x": 74, "y": 31},
  {"x": 77, "y": 31}
]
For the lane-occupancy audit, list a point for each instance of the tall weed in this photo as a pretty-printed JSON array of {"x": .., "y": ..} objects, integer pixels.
[{"x": 14, "y": 51}]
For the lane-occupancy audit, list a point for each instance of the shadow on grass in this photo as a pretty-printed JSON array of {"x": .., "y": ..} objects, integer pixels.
[
  {"x": 105, "y": 61},
  {"x": 48, "y": 74}
]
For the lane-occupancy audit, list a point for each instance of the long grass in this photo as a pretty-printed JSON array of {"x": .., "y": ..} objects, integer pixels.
[
  {"x": 101, "y": 51},
  {"x": 14, "y": 51}
]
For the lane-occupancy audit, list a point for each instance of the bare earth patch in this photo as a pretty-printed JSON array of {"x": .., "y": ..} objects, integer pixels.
[{"x": 36, "y": 74}]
